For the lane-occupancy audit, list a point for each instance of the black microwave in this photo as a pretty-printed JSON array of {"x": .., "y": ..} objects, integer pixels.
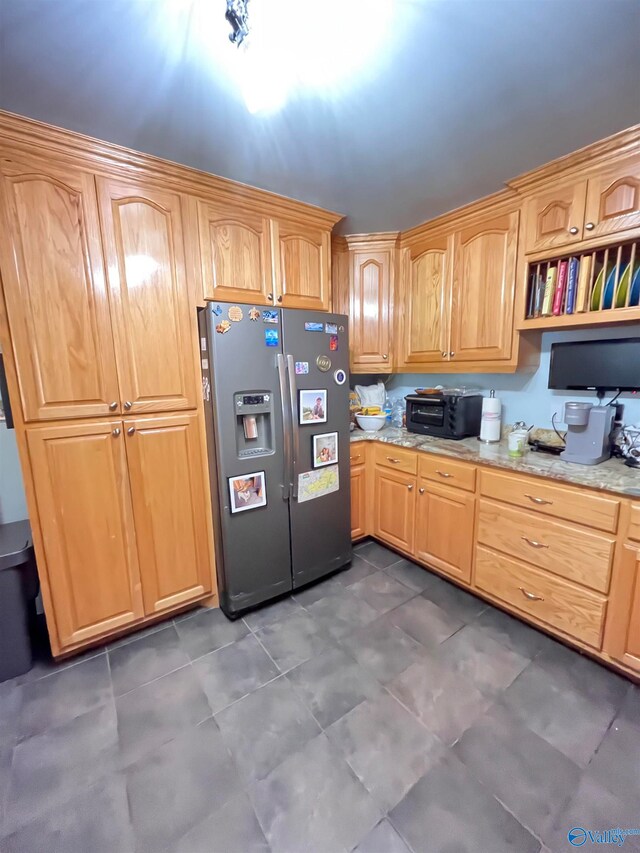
[{"x": 444, "y": 415}]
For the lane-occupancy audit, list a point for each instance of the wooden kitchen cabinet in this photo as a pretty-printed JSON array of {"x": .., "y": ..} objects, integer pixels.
[
  {"x": 235, "y": 253},
  {"x": 358, "y": 502},
  {"x": 483, "y": 289},
  {"x": 554, "y": 216},
  {"x": 84, "y": 506},
  {"x": 613, "y": 199},
  {"x": 625, "y": 642},
  {"x": 394, "y": 508},
  {"x": 425, "y": 301},
  {"x": 167, "y": 475},
  {"x": 301, "y": 264},
  {"x": 54, "y": 286},
  {"x": 153, "y": 324},
  {"x": 444, "y": 528}
]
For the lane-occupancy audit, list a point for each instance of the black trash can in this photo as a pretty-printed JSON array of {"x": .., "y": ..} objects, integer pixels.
[{"x": 18, "y": 591}]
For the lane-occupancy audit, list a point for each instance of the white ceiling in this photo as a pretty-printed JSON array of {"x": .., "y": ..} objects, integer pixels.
[{"x": 465, "y": 94}]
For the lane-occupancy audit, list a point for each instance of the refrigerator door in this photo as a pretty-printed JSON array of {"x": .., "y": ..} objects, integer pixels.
[
  {"x": 245, "y": 424},
  {"x": 316, "y": 346}
]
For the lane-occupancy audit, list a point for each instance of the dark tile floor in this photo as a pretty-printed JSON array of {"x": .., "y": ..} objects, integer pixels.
[{"x": 383, "y": 711}]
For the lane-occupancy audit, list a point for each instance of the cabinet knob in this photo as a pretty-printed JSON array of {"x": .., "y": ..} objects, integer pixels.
[
  {"x": 113, "y": 406},
  {"x": 280, "y": 298},
  {"x": 131, "y": 430},
  {"x": 589, "y": 226},
  {"x": 116, "y": 432},
  {"x": 270, "y": 297},
  {"x": 127, "y": 404},
  {"x": 573, "y": 230},
  {"x": 451, "y": 354},
  {"x": 410, "y": 487},
  {"x": 385, "y": 356},
  {"x": 421, "y": 490},
  {"x": 444, "y": 354}
]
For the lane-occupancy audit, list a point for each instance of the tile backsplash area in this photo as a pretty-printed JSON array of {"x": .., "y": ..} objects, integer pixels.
[{"x": 525, "y": 396}]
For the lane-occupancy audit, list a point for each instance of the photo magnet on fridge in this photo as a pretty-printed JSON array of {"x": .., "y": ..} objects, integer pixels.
[
  {"x": 302, "y": 367},
  {"x": 312, "y": 407},
  {"x": 272, "y": 337},
  {"x": 269, "y": 316},
  {"x": 313, "y": 327},
  {"x": 247, "y": 491},
  {"x": 331, "y": 328},
  {"x": 333, "y": 343},
  {"x": 324, "y": 449}
]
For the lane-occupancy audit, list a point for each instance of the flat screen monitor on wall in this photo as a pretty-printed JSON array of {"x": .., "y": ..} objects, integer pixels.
[{"x": 612, "y": 365}]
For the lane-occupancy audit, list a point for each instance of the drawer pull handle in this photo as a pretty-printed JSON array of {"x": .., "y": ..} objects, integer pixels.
[
  {"x": 530, "y": 595},
  {"x": 391, "y": 459},
  {"x": 443, "y": 473},
  {"x": 533, "y": 543},
  {"x": 536, "y": 500}
]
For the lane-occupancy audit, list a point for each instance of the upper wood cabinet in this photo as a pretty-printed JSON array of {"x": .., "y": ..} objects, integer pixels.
[
  {"x": 424, "y": 302},
  {"x": 54, "y": 285},
  {"x": 555, "y": 216},
  {"x": 84, "y": 506},
  {"x": 484, "y": 278},
  {"x": 370, "y": 273},
  {"x": 153, "y": 324},
  {"x": 613, "y": 199},
  {"x": 167, "y": 474},
  {"x": 235, "y": 252},
  {"x": 301, "y": 265}
]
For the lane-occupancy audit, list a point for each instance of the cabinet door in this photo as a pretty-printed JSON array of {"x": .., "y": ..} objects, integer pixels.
[
  {"x": 84, "y": 505},
  {"x": 53, "y": 275},
  {"x": 484, "y": 278},
  {"x": 554, "y": 217},
  {"x": 358, "y": 506},
  {"x": 444, "y": 529},
  {"x": 425, "y": 301},
  {"x": 154, "y": 326},
  {"x": 394, "y": 508},
  {"x": 302, "y": 265},
  {"x": 370, "y": 309},
  {"x": 613, "y": 199},
  {"x": 623, "y": 617},
  {"x": 167, "y": 473},
  {"x": 236, "y": 255}
]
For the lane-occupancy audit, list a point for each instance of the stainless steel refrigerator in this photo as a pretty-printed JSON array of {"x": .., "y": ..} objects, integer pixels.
[{"x": 276, "y": 391}]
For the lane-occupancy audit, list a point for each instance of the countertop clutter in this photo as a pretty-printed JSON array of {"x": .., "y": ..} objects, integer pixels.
[{"x": 610, "y": 476}]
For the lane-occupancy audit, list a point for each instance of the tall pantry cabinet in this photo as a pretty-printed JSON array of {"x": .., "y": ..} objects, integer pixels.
[{"x": 100, "y": 315}]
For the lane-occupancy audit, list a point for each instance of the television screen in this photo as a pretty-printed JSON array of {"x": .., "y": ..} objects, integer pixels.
[{"x": 610, "y": 365}]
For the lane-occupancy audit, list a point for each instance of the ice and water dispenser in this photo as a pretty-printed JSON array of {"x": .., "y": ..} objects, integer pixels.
[{"x": 254, "y": 426}]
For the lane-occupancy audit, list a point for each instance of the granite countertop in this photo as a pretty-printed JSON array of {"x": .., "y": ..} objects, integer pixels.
[{"x": 609, "y": 476}]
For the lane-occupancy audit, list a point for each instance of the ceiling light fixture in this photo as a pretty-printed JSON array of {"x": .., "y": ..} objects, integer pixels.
[{"x": 238, "y": 16}]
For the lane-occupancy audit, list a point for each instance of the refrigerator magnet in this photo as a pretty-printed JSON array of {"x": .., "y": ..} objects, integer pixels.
[
  {"x": 247, "y": 491},
  {"x": 324, "y": 449},
  {"x": 314, "y": 327},
  {"x": 340, "y": 377},
  {"x": 312, "y": 407},
  {"x": 223, "y": 327},
  {"x": 333, "y": 343},
  {"x": 254, "y": 314},
  {"x": 269, "y": 316},
  {"x": 302, "y": 367},
  {"x": 331, "y": 328},
  {"x": 323, "y": 363},
  {"x": 272, "y": 337},
  {"x": 235, "y": 313},
  {"x": 217, "y": 310}
]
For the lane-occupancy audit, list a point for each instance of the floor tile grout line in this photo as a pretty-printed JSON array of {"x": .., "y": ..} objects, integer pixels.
[{"x": 153, "y": 680}]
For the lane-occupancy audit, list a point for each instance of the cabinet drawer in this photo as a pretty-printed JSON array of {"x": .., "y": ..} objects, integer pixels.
[
  {"x": 634, "y": 525},
  {"x": 563, "y": 549},
  {"x": 397, "y": 458},
  {"x": 572, "y": 504},
  {"x": 357, "y": 454},
  {"x": 549, "y": 600},
  {"x": 440, "y": 469}
]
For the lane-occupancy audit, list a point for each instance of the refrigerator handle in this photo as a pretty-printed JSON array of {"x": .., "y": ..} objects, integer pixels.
[
  {"x": 282, "y": 379},
  {"x": 293, "y": 402}
]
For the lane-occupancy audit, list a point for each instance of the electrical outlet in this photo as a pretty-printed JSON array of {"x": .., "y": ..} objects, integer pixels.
[{"x": 557, "y": 409}]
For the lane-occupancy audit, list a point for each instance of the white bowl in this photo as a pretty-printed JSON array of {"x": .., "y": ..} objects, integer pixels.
[{"x": 371, "y": 423}]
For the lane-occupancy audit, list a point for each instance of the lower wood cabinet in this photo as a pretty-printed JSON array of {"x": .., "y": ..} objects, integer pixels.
[
  {"x": 444, "y": 529},
  {"x": 123, "y": 518},
  {"x": 84, "y": 504},
  {"x": 625, "y": 634},
  {"x": 358, "y": 505},
  {"x": 394, "y": 508},
  {"x": 169, "y": 508}
]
